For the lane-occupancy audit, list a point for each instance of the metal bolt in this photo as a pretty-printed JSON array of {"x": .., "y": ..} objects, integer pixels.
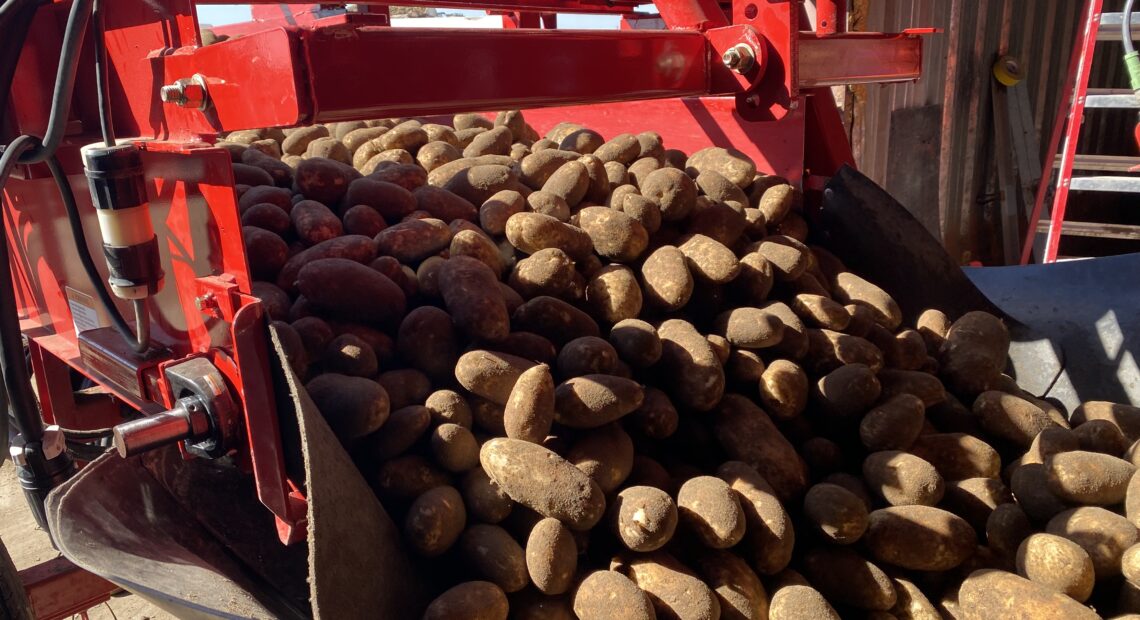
[
  {"x": 752, "y": 100},
  {"x": 18, "y": 456},
  {"x": 186, "y": 93},
  {"x": 739, "y": 58}
]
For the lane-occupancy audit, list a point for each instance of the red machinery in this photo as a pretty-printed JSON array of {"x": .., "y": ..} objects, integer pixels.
[{"x": 744, "y": 73}]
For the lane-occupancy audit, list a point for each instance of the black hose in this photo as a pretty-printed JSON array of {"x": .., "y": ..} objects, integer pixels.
[
  {"x": 106, "y": 125},
  {"x": 142, "y": 341},
  {"x": 73, "y": 35},
  {"x": 17, "y": 382}
]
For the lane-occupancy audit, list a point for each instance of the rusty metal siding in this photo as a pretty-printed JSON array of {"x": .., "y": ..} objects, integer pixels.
[{"x": 956, "y": 75}]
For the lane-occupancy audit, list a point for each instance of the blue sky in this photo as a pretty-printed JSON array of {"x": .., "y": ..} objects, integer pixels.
[{"x": 219, "y": 14}]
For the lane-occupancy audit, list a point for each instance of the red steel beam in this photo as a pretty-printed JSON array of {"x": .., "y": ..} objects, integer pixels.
[
  {"x": 548, "y": 6},
  {"x": 861, "y": 58},
  {"x": 59, "y": 589}
]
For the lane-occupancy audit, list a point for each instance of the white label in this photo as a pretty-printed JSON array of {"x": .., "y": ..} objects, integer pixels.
[{"x": 83, "y": 313}]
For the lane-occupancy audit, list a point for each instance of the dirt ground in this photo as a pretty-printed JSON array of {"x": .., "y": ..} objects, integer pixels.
[{"x": 28, "y": 545}]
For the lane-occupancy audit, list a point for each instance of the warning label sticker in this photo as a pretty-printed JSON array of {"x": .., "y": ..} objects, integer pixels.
[{"x": 83, "y": 313}]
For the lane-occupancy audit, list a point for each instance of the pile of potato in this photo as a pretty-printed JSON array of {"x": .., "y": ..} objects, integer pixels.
[{"x": 604, "y": 379}]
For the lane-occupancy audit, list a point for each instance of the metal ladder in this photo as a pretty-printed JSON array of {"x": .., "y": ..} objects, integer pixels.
[{"x": 1098, "y": 26}]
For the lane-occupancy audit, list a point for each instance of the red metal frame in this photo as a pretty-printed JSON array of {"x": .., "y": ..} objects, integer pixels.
[
  {"x": 288, "y": 67},
  {"x": 1070, "y": 114},
  {"x": 58, "y": 589}
]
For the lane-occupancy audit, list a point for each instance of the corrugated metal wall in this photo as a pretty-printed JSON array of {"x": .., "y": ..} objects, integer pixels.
[{"x": 957, "y": 77}]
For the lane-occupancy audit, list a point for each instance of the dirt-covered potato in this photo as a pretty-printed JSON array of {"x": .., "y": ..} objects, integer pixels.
[
  {"x": 847, "y": 391},
  {"x": 893, "y": 424},
  {"x": 1010, "y": 418},
  {"x": 903, "y": 479},
  {"x": 454, "y": 447},
  {"x": 973, "y": 354},
  {"x": 750, "y": 328},
  {"x": 1104, "y": 535},
  {"x": 609, "y": 595},
  {"x": 769, "y": 536},
  {"x": 1057, "y": 564},
  {"x": 693, "y": 372},
  {"x": 919, "y": 538},
  {"x": 529, "y": 410},
  {"x": 644, "y": 517},
  {"x": 673, "y": 191},
  {"x": 711, "y": 510},
  {"x": 1101, "y": 436},
  {"x": 800, "y": 602},
  {"x": 738, "y": 590},
  {"x": 728, "y": 162},
  {"x": 471, "y": 293},
  {"x": 407, "y": 477},
  {"x": 484, "y": 499},
  {"x": 585, "y": 356},
  {"x": 667, "y": 281},
  {"x": 844, "y": 576},
  {"x": 998, "y": 594},
  {"x": 495, "y": 555},
  {"x": 553, "y": 319},
  {"x": 472, "y": 600},
  {"x": 1126, "y": 417},
  {"x": 323, "y": 180},
  {"x": 267, "y": 252},
  {"x": 435, "y": 521},
  {"x": 591, "y": 401},
  {"x": 543, "y": 481},
  {"x": 1089, "y": 477},
  {"x": 531, "y": 232},
  {"x": 605, "y": 454},
  {"x": 347, "y": 354},
  {"x": 672, "y": 588},
  {"x": 551, "y": 557},
  {"x": 613, "y": 294},
  {"x": 838, "y": 513},
  {"x": 923, "y": 385},
  {"x": 747, "y": 434},
  {"x": 489, "y": 374},
  {"x": 353, "y": 406},
  {"x": 784, "y": 389}
]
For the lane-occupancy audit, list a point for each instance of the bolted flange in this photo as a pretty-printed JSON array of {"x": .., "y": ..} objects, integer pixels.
[{"x": 739, "y": 58}]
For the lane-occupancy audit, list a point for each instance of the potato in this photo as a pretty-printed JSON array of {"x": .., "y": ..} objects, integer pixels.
[
  {"x": 454, "y": 448},
  {"x": 745, "y": 366},
  {"x": 1126, "y": 417},
  {"x": 412, "y": 241},
  {"x": 957, "y": 456},
  {"x": 800, "y": 602},
  {"x": 613, "y": 294},
  {"x": 821, "y": 311},
  {"x": 668, "y": 283},
  {"x": 537, "y": 168},
  {"x": 427, "y": 341},
  {"x": 903, "y": 479},
  {"x": 471, "y": 293},
  {"x": 267, "y": 253},
  {"x": 591, "y": 401},
  {"x": 353, "y": 406},
  {"x": 769, "y": 537},
  {"x": 495, "y": 141},
  {"x": 496, "y": 210},
  {"x": 844, "y": 576},
  {"x": 641, "y": 168},
  {"x": 269, "y": 217},
  {"x": 479, "y": 246},
  {"x": 1011, "y": 418},
  {"x": 623, "y": 148},
  {"x": 674, "y": 193},
  {"x": 644, "y": 517},
  {"x": 543, "y": 481},
  {"x": 847, "y": 391},
  {"x": 925, "y": 386},
  {"x": 435, "y": 521},
  {"x": 323, "y": 180},
  {"x": 656, "y": 417},
  {"x": 531, "y": 232},
  {"x": 747, "y": 434},
  {"x": 1006, "y": 527},
  {"x": 738, "y": 590},
  {"x": 1056, "y": 563},
  {"x": 408, "y": 176},
  {"x": 408, "y": 477},
  {"x": 974, "y": 353},
  {"x": 729, "y": 163},
  {"x": 1088, "y": 477},
  {"x": 548, "y": 203},
  {"x": 750, "y": 328},
  {"x": 338, "y": 285},
  {"x": 784, "y": 389},
  {"x": 1101, "y": 436},
  {"x": 609, "y": 595},
  {"x": 546, "y": 272},
  {"x": 278, "y": 196},
  {"x": 894, "y": 424},
  {"x": 787, "y": 257},
  {"x": 405, "y": 386},
  {"x": 554, "y": 319},
  {"x": 974, "y": 499},
  {"x": 582, "y": 141},
  {"x": 672, "y": 588},
  {"x": 919, "y": 538},
  {"x": 851, "y": 289},
  {"x": 529, "y": 410},
  {"x": 472, "y": 600},
  {"x": 1102, "y": 534},
  {"x": 998, "y": 594},
  {"x": 1030, "y": 485},
  {"x": 636, "y": 342},
  {"x": 356, "y": 248},
  {"x": 615, "y": 235},
  {"x": 530, "y": 604},
  {"x": 838, "y": 513},
  {"x": 493, "y": 554},
  {"x": 569, "y": 182},
  {"x": 489, "y": 374},
  {"x": 605, "y": 454},
  {"x": 599, "y": 181},
  {"x": 551, "y": 557},
  {"x": 689, "y": 366},
  {"x": 349, "y": 355},
  {"x": 404, "y": 427},
  {"x": 710, "y": 508},
  {"x": 363, "y": 220},
  {"x": 528, "y": 346},
  {"x": 484, "y": 499},
  {"x": 586, "y": 355}
]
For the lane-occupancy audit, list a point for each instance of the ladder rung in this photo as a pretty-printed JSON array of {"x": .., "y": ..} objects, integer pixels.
[
  {"x": 1105, "y": 163},
  {"x": 1110, "y": 24},
  {"x": 1119, "y": 98},
  {"x": 1126, "y": 185},
  {"x": 1093, "y": 229}
]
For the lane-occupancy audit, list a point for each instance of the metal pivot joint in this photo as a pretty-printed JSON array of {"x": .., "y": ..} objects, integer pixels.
[
  {"x": 204, "y": 415},
  {"x": 188, "y": 92},
  {"x": 739, "y": 58}
]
